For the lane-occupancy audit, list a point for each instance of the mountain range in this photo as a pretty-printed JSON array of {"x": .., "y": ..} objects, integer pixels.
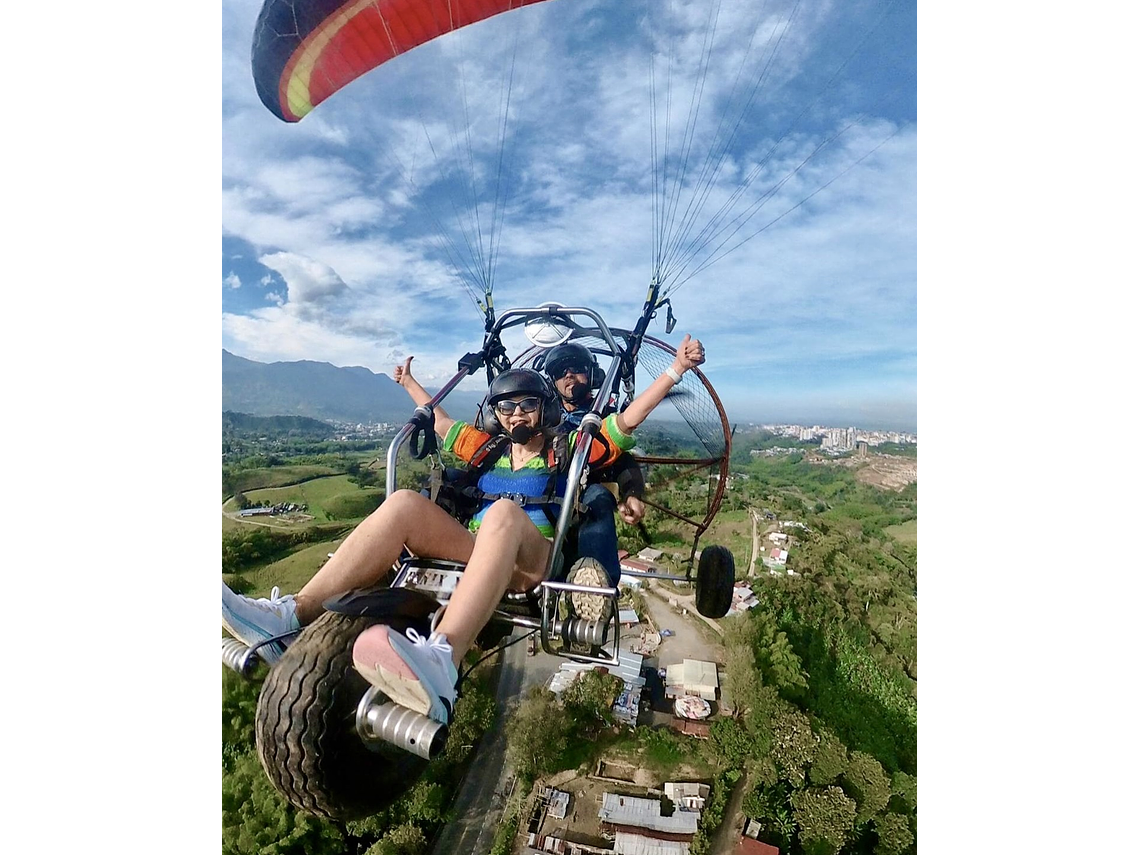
[{"x": 322, "y": 391}]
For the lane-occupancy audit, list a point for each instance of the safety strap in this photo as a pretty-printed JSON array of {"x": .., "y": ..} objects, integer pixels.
[
  {"x": 436, "y": 481},
  {"x": 557, "y": 459},
  {"x": 483, "y": 459},
  {"x": 521, "y": 499}
]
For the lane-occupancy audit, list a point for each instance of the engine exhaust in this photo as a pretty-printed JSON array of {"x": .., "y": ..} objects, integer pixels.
[{"x": 399, "y": 726}]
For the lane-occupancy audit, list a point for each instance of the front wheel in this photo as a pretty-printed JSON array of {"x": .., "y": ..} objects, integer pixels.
[
  {"x": 305, "y": 726},
  {"x": 716, "y": 574}
]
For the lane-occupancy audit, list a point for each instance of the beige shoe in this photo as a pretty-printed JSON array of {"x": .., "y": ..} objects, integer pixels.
[{"x": 591, "y": 607}]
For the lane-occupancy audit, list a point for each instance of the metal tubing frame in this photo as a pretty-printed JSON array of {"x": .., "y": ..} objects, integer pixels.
[{"x": 549, "y": 626}]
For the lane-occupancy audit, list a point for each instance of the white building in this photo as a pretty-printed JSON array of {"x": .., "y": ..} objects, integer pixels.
[
  {"x": 687, "y": 795},
  {"x": 743, "y": 598},
  {"x": 691, "y": 677}
]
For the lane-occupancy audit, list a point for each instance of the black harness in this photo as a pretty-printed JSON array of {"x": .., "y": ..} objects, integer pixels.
[{"x": 458, "y": 492}]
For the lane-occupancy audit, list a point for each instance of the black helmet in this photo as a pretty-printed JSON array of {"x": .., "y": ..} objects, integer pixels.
[
  {"x": 523, "y": 381},
  {"x": 573, "y": 355}
]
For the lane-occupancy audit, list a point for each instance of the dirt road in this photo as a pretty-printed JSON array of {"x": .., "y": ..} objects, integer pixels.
[
  {"x": 689, "y": 641},
  {"x": 755, "y": 544}
]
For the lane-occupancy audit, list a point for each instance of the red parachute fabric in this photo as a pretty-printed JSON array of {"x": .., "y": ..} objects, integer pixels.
[{"x": 305, "y": 50}]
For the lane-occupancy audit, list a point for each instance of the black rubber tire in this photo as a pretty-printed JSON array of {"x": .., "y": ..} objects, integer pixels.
[
  {"x": 305, "y": 726},
  {"x": 716, "y": 574}
]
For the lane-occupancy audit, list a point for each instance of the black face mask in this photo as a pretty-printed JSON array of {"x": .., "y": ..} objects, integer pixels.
[{"x": 522, "y": 433}]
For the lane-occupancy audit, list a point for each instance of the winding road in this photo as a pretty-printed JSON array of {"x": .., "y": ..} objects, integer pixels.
[{"x": 478, "y": 806}]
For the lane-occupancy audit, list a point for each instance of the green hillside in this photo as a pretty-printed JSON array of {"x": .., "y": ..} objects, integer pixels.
[{"x": 820, "y": 745}]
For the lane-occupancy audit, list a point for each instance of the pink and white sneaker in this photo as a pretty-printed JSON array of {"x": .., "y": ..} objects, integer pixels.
[{"x": 415, "y": 672}]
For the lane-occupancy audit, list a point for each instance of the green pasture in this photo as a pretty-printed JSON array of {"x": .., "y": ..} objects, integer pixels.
[
  {"x": 292, "y": 572},
  {"x": 906, "y": 532},
  {"x": 734, "y": 530},
  {"x": 231, "y": 525},
  {"x": 278, "y": 476},
  {"x": 328, "y": 499}
]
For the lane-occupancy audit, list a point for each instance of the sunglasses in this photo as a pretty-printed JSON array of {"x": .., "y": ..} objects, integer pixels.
[
  {"x": 560, "y": 371},
  {"x": 526, "y": 405}
]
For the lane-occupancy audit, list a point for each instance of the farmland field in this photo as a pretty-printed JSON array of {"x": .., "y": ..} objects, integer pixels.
[{"x": 906, "y": 532}]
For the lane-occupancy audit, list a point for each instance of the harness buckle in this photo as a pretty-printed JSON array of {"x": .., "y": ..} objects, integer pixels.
[{"x": 518, "y": 498}]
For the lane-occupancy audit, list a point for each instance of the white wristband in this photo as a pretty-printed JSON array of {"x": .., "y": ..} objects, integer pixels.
[{"x": 672, "y": 375}]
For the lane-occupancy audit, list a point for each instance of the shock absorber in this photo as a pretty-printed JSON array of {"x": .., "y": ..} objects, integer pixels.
[{"x": 581, "y": 631}]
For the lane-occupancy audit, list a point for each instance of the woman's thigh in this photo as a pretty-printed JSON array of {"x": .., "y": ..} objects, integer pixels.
[
  {"x": 530, "y": 569},
  {"x": 532, "y": 556},
  {"x": 509, "y": 528},
  {"x": 430, "y": 532}
]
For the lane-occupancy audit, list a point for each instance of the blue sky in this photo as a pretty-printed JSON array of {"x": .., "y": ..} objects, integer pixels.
[{"x": 331, "y": 227}]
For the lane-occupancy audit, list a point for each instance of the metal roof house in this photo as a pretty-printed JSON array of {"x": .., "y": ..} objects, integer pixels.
[
  {"x": 687, "y": 795},
  {"x": 691, "y": 677},
  {"x": 639, "y": 816},
  {"x": 626, "y": 843}
]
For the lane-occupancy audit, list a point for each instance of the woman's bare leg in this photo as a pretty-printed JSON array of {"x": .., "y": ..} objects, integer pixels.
[
  {"x": 405, "y": 518},
  {"x": 509, "y": 552}
]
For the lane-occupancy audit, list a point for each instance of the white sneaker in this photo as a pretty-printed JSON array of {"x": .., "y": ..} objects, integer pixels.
[
  {"x": 591, "y": 607},
  {"x": 254, "y": 621},
  {"x": 413, "y": 671}
]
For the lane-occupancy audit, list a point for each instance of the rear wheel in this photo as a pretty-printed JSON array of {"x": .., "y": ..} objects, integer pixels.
[
  {"x": 716, "y": 574},
  {"x": 305, "y": 726}
]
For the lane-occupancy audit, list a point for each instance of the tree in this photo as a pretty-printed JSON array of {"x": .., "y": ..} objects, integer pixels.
[
  {"x": 906, "y": 647},
  {"x": 426, "y": 802},
  {"x": 741, "y": 676},
  {"x": 474, "y": 714},
  {"x": 731, "y": 745},
  {"x": 406, "y": 839},
  {"x": 825, "y": 817},
  {"x": 894, "y": 834},
  {"x": 866, "y": 781},
  {"x": 239, "y": 706},
  {"x": 830, "y": 759},
  {"x": 781, "y": 666},
  {"x": 904, "y": 792},
  {"x": 257, "y": 821},
  {"x": 794, "y": 744},
  {"x": 536, "y": 733},
  {"x": 590, "y": 698}
]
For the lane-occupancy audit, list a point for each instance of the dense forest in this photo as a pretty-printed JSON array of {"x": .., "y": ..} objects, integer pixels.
[{"x": 821, "y": 739}]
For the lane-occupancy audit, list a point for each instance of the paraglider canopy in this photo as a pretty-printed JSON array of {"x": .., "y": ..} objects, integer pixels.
[{"x": 304, "y": 52}]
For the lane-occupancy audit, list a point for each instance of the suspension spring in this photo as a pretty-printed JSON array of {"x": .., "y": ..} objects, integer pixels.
[{"x": 238, "y": 657}]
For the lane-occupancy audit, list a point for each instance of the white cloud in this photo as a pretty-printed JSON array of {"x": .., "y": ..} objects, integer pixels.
[
  {"x": 232, "y": 281},
  {"x": 344, "y": 205},
  {"x": 309, "y": 281}
]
